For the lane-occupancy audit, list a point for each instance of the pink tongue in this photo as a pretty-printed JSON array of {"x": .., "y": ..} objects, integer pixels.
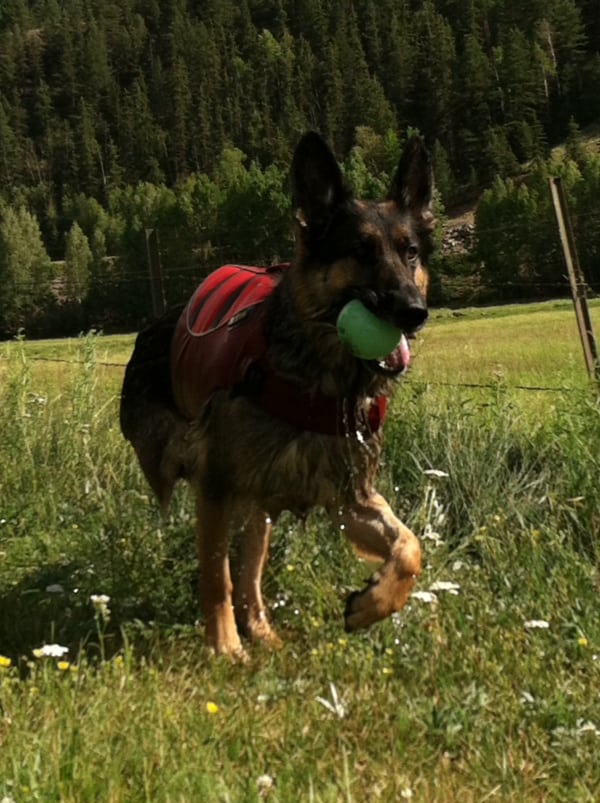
[{"x": 400, "y": 357}]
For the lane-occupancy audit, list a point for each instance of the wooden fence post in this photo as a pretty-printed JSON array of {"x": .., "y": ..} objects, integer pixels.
[
  {"x": 157, "y": 287},
  {"x": 576, "y": 279}
]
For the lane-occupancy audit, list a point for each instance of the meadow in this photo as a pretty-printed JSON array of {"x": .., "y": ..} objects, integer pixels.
[{"x": 484, "y": 688}]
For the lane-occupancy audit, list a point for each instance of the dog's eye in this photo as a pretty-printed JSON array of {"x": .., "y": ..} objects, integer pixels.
[{"x": 412, "y": 252}]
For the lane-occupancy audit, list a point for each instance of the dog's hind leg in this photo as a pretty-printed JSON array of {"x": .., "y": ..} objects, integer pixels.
[
  {"x": 212, "y": 529},
  {"x": 377, "y": 534},
  {"x": 250, "y": 612}
]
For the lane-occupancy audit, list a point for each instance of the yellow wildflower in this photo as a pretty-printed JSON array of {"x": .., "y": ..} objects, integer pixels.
[
  {"x": 63, "y": 665},
  {"x": 4, "y": 662},
  {"x": 212, "y": 708},
  {"x": 582, "y": 641}
]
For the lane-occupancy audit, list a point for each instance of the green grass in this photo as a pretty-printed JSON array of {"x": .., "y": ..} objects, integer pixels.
[{"x": 455, "y": 700}]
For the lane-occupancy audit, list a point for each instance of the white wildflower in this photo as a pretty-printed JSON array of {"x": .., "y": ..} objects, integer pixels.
[
  {"x": 424, "y": 596},
  {"x": 435, "y": 514},
  {"x": 335, "y": 706},
  {"x": 50, "y": 651},
  {"x": 100, "y": 603},
  {"x": 444, "y": 585},
  {"x": 536, "y": 624},
  {"x": 406, "y": 793},
  {"x": 582, "y": 729},
  {"x": 429, "y": 534},
  {"x": 264, "y": 784},
  {"x": 587, "y": 727}
]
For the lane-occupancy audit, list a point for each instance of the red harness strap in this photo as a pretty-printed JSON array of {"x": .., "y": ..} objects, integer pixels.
[
  {"x": 220, "y": 334},
  {"x": 326, "y": 415}
]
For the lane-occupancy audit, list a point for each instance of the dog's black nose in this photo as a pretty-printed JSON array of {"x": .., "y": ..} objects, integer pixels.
[{"x": 408, "y": 309}]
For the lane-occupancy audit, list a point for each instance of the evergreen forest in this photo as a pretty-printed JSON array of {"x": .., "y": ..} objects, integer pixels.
[{"x": 182, "y": 115}]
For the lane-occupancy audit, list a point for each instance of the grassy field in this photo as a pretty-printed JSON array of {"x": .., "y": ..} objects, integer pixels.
[{"x": 485, "y": 688}]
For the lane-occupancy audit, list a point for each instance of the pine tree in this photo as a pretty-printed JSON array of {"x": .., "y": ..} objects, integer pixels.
[
  {"x": 584, "y": 196},
  {"x": 331, "y": 110},
  {"x": 178, "y": 143},
  {"x": 524, "y": 94},
  {"x": 574, "y": 147},
  {"x": 88, "y": 152},
  {"x": 9, "y": 150},
  {"x": 475, "y": 106},
  {"x": 78, "y": 263},
  {"x": 141, "y": 141},
  {"x": 25, "y": 270},
  {"x": 399, "y": 72},
  {"x": 444, "y": 179},
  {"x": 363, "y": 96},
  {"x": 434, "y": 86}
]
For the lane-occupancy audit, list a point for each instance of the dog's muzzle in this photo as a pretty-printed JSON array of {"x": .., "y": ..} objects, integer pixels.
[{"x": 406, "y": 309}]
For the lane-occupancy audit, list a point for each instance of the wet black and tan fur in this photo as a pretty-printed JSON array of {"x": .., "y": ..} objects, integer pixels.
[{"x": 246, "y": 466}]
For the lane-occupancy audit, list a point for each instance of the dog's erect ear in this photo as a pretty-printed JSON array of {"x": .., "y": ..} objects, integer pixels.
[
  {"x": 317, "y": 184},
  {"x": 412, "y": 186}
]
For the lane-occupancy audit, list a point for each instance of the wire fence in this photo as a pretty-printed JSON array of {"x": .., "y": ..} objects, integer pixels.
[
  {"x": 119, "y": 275},
  {"x": 414, "y": 382}
]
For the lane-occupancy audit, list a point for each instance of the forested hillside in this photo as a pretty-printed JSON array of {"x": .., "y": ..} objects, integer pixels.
[{"x": 97, "y": 96}]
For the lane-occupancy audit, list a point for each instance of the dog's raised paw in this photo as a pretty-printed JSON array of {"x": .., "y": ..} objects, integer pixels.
[
  {"x": 349, "y": 612},
  {"x": 383, "y": 595},
  {"x": 362, "y": 610}
]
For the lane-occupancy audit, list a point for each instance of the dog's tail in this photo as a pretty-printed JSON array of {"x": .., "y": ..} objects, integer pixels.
[{"x": 148, "y": 415}]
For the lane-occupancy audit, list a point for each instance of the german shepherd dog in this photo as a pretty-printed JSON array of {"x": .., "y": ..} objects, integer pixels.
[{"x": 300, "y": 427}]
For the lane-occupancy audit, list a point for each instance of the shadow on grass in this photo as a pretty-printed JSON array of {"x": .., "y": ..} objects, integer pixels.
[{"x": 47, "y": 607}]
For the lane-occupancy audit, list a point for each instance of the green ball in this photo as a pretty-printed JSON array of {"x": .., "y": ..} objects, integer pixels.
[{"x": 368, "y": 336}]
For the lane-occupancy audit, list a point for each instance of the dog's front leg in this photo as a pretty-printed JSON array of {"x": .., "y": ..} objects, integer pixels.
[
  {"x": 212, "y": 529},
  {"x": 377, "y": 534},
  {"x": 250, "y": 612}
]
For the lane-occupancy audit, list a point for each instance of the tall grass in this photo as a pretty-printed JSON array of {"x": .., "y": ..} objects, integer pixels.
[{"x": 484, "y": 691}]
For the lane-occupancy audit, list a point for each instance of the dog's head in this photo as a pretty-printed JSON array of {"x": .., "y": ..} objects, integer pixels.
[{"x": 373, "y": 251}]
